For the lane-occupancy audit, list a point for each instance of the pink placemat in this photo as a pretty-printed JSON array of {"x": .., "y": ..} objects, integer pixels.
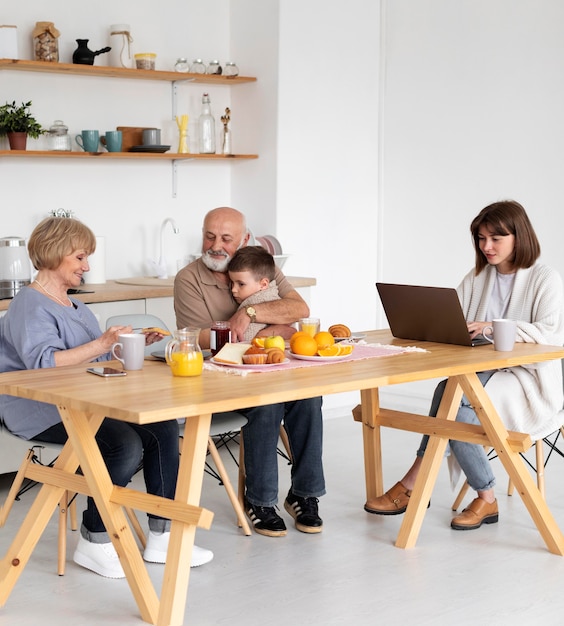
[{"x": 360, "y": 351}]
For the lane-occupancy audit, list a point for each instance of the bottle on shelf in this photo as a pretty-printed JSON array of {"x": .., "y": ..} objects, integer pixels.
[{"x": 206, "y": 130}]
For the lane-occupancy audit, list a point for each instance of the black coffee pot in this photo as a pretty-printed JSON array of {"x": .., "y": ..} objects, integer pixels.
[{"x": 83, "y": 55}]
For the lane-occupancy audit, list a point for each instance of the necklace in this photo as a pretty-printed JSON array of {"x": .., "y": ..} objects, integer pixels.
[{"x": 53, "y": 295}]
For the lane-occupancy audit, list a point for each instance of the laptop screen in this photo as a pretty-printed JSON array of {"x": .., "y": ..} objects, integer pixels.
[{"x": 425, "y": 314}]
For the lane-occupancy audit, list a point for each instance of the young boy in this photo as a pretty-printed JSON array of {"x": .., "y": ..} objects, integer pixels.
[{"x": 251, "y": 271}]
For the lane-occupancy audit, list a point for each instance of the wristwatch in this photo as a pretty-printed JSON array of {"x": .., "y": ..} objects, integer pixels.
[{"x": 251, "y": 312}]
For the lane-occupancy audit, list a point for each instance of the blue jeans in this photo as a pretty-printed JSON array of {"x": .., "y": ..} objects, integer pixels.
[
  {"x": 471, "y": 456},
  {"x": 304, "y": 425},
  {"x": 124, "y": 447}
]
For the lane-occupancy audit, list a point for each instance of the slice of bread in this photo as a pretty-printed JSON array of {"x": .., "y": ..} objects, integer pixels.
[{"x": 232, "y": 353}]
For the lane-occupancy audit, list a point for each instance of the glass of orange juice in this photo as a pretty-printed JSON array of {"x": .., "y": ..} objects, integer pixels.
[{"x": 309, "y": 325}]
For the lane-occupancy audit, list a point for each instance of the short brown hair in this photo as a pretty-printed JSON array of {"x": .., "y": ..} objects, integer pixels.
[
  {"x": 253, "y": 259},
  {"x": 507, "y": 218},
  {"x": 55, "y": 238}
]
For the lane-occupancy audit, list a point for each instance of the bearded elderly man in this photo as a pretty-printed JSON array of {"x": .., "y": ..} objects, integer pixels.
[{"x": 202, "y": 295}]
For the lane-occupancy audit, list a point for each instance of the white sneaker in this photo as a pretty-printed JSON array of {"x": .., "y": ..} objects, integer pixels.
[
  {"x": 157, "y": 546},
  {"x": 101, "y": 558}
]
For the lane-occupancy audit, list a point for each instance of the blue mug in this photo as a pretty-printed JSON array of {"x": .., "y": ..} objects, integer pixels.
[
  {"x": 88, "y": 140},
  {"x": 112, "y": 140}
]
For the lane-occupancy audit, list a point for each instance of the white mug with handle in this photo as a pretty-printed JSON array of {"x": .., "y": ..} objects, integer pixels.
[
  {"x": 130, "y": 350},
  {"x": 504, "y": 333}
]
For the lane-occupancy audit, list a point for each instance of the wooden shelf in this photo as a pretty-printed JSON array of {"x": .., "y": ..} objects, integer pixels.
[
  {"x": 166, "y": 156},
  {"x": 118, "y": 72}
]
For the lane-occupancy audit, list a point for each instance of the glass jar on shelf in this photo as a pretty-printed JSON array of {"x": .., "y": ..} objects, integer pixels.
[
  {"x": 46, "y": 42},
  {"x": 198, "y": 67},
  {"x": 231, "y": 69},
  {"x": 214, "y": 67},
  {"x": 58, "y": 137},
  {"x": 182, "y": 66}
]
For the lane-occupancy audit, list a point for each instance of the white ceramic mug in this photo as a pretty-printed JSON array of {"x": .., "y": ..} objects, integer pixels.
[
  {"x": 130, "y": 350},
  {"x": 504, "y": 333}
]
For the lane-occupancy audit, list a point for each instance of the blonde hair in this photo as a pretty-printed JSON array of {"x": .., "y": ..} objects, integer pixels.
[{"x": 55, "y": 238}]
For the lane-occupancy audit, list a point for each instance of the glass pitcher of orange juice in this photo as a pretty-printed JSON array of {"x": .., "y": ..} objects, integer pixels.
[{"x": 183, "y": 353}]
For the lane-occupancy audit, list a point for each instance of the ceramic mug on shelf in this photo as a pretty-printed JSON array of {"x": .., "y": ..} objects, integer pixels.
[
  {"x": 152, "y": 137},
  {"x": 112, "y": 140},
  {"x": 88, "y": 140}
]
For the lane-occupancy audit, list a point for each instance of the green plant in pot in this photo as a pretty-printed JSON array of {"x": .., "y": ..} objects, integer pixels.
[{"x": 17, "y": 122}]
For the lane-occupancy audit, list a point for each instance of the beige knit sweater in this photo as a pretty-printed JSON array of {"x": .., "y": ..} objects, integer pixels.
[{"x": 528, "y": 398}]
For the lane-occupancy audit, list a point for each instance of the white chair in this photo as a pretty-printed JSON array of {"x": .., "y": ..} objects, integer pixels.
[{"x": 141, "y": 320}]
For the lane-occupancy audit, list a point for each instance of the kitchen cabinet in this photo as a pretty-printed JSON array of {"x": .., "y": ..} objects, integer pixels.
[{"x": 118, "y": 73}]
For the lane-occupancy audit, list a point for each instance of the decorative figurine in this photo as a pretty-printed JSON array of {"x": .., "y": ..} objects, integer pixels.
[{"x": 225, "y": 119}]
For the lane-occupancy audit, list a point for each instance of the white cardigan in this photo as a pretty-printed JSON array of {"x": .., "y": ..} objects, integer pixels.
[{"x": 527, "y": 398}]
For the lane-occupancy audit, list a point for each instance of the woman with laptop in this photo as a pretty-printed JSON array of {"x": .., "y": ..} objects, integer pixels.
[{"x": 506, "y": 282}]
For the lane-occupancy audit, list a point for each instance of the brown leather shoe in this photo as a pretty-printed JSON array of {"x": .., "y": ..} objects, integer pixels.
[
  {"x": 478, "y": 512},
  {"x": 393, "y": 502}
]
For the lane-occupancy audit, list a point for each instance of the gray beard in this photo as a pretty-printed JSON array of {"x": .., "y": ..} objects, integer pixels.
[{"x": 215, "y": 263}]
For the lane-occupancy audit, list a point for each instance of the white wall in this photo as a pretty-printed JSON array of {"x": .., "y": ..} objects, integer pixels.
[{"x": 379, "y": 137}]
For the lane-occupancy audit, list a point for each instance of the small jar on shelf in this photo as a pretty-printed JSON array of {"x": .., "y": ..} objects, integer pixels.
[
  {"x": 182, "y": 66},
  {"x": 198, "y": 67},
  {"x": 58, "y": 137},
  {"x": 214, "y": 68},
  {"x": 231, "y": 69}
]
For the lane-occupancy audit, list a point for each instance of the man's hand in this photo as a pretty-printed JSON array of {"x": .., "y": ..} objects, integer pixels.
[{"x": 239, "y": 324}]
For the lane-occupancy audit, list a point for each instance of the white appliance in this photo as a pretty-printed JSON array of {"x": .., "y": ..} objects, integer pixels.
[{"x": 15, "y": 267}]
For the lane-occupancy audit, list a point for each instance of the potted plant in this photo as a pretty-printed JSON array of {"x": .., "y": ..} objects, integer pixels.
[{"x": 17, "y": 122}]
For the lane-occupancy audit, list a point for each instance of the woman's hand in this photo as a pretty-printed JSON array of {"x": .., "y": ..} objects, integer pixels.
[
  {"x": 153, "y": 338},
  {"x": 477, "y": 328},
  {"x": 111, "y": 336}
]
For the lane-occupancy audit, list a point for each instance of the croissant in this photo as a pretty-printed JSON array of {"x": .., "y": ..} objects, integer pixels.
[
  {"x": 155, "y": 329},
  {"x": 275, "y": 355},
  {"x": 340, "y": 330}
]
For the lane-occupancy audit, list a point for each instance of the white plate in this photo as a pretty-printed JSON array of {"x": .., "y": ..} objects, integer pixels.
[
  {"x": 302, "y": 357},
  {"x": 353, "y": 337},
  {"x": 248, "y": 366}
]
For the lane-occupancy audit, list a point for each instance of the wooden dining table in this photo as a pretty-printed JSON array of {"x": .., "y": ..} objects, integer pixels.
[{"x": 153, "y": 394}]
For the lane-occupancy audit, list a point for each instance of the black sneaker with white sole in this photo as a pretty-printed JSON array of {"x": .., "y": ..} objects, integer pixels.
[
  {"x": 265, "y": 520},
  {"x": 305, "y": 513}
]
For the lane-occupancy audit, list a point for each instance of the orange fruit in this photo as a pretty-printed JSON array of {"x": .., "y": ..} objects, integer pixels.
[
  {"x": 297, "y": 334},
  {"x": 345, "y": 349},
  {"x": 324, "y": 339},
  {"x": 333, "y": 350},
  {"x": 258, "y": 342},
  {"x": 304, "y": 345}
]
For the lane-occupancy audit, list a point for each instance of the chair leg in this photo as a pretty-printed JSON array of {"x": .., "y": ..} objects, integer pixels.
[
  {"x": 15, "y": 488},
  {"x": 241, "y": 519},
  {"x": 62, "y": 551},
  {"x": 136, "y": 526},
  {"x": 241, "y": 476},
  {"x": 460, "y": 496},
  {"x": 285, "y": 442},
  {"x": 539, "y": 452}
]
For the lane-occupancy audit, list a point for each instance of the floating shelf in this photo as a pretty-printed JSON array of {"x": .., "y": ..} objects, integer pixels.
[
  {"x": 118, "y": 72},
  {"x": 165, "y": 156}
]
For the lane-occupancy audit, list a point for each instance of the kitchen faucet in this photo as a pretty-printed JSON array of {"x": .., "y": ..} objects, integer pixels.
[{"x": 162, "y": 269}]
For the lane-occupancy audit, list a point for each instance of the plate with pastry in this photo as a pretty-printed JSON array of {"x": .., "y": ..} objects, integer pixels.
[{"x": 249, "y": 366}]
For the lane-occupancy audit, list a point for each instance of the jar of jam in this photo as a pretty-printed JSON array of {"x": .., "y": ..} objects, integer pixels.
[{"x": 220, "y": 334}]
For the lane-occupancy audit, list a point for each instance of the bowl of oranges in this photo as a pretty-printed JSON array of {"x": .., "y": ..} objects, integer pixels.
[{"x": 319, "y": 347}]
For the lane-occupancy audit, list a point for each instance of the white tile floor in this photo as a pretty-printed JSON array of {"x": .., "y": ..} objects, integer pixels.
[{"x": 350, "y": 574}]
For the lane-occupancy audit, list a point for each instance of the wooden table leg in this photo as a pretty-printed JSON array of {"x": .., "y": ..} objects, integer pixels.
[
  {"x": 188, "y": 490},
  {"x": 513, "y": 464},
  {"x": 35, "y": 522},
  {"x": 81, "y": 429},
  {"x": 434, "y": 454},
  {"x": 372, "y": 443}
]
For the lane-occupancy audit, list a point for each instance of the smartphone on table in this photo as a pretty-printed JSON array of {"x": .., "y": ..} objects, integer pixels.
[{"x": 106, "y": 372}]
